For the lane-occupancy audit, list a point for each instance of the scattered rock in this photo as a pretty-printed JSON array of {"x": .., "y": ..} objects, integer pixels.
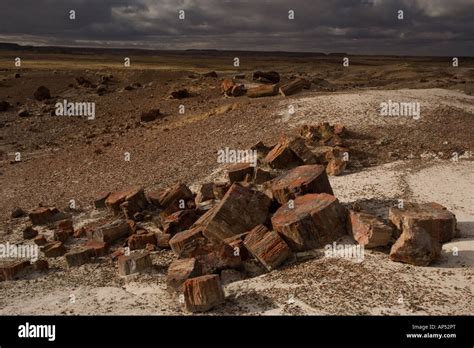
[
  {"x": 266, "y": 76},
  {"x": 443, "y": 221},
  {"x": 17, "y": 212},
  {"x": 42, "y": 93},
  {"x": 163, "y": 240},
  {"x": 220, "y": 189},
  {"x": 65, "y": 226},
  {"x": 41, "y": 265},
  {"x": 210, "y": 74},
  {"x": 40, "y": 240},
  {"x": 300, "y": 181},
  {"x": 175, "y": 198},
  {"x": 181, "y": 270},
  {"x": 111, "y": 232},
  {"x": 179, "y": 221},
  {"x": 240, "y": 210},
  {"x": 294, "y": 86},
  {"x": 424, "y": 227},
  {"x": 368, "y": 230},
  {"x": 29, "y": 233},
  {"x": 79, "y": 257},
  {"x": 133, "y": 263},
  {"x": 239, "y": 171},
  {"x": 4, "y": 105},
  {"x": 101, "y": 89},
  {"x": 203, "y": 293},
  {"x": 311, "y": 221},
  {"x": 205, "y": 193},
  {"x": 13, "y": 269},
  {"x": 281, "y": 157},
  {"x": 180, "y": 94},
  {"x": 267, "y": 247},
  {"x": 139, "y": 241},
  {"x": 99, "y": 202},
  {"x": 336, "y": 166},
  {"x": 99, "y": 248},
  {"x": 262, "y": 176},
  {"x": 81, "y": 81},
  {"x": 262, "y": 91},
  {"x": 54, "y": 249},
  {"x": 185, "y": 240},
  {"x": 23, "y": 113},
  {"x": 150, "y": 116},
  {"x": 45, "y": 215},
  {"x": 135, "y": 197}
]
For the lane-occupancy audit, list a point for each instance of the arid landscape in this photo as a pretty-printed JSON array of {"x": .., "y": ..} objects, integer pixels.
[{"x": 148, "y": 133}]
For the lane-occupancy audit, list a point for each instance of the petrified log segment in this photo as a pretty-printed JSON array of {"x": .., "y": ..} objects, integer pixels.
[
  {"x": 240, "y": 210},
  {"x": 135, "y": 197},
  {"x": 111, "y": 232},
  {"x": 444, "y": 222},
  {"x": 424, "y": 228},
  {"x": 281, "y": 156},
  {"x": 54, "y": 249},
  {"x": 294, "y": 86},
  {"x": 266, "y": 76},
  {"x": 185, "y": 240},
  {"x": 79, "y": 256},
  {"x": 181, "y": 270},
  {"x": 133, "y": 263},
  {"x": 267, "y": 247},
  {"x": 419, "y": 242},
  {"x": 226, "y": 86},
  {"x": 203, "y": 293},
  {"x": 45, "y": 215},
  {"x": 313, "y": 221},
  {"x": 171, "y": 199},
  {"x": 179, "y": 221},
  {"x": 239, "y": 171},
  {"x": 290, "y": 152},
  {"x": 262, "y": 91},
  {"x": 140, "y": 241},
  {"x": 205, "y": 193},
  {"x": 299, "y": 148},
  {"x": 9, "y": 270},
  {"x": 368, "y": 230},
  {"x": 299, "y": 181}
]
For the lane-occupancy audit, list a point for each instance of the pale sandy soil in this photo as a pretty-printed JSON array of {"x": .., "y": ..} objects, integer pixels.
[{"x": 319, "y": 286}]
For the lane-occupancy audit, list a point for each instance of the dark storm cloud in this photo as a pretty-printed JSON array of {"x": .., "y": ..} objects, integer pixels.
[{"x": 436, "y": 27}]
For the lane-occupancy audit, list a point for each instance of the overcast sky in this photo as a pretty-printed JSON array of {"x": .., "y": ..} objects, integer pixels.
[{"x": 429, "y": 27}]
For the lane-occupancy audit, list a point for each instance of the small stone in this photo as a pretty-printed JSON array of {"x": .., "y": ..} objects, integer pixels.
[
  {"x": 29, "y": 233},
  {"x": 40, "y": 240},
  {"x": 42, "y": 93},
  {"x": 17, "y": 212}
]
